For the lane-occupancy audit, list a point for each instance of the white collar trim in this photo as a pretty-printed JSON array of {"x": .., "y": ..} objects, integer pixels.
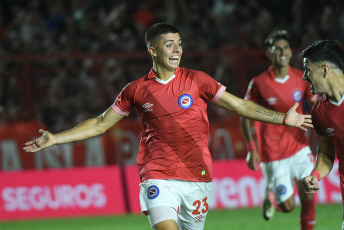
[
  {"x": 337, "y": 103},
  {"x": 279, "y": 80},
  {"x": 164, "y": 82}
]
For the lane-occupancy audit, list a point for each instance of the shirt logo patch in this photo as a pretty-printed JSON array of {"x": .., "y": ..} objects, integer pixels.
[
  {"x": 281, "y": 189},
  {"x": 199, "y": 218},
  {"x": 185, "y": 101},
  {"x": 272, "y": 101},
  {"x": 329, "y": 132},
  {"x": 147, "y": 107},
  {"x": 297, "y": 95},
  {"x": 153, "y": 192}
]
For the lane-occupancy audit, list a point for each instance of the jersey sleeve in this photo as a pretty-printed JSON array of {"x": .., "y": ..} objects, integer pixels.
[
  {"x": 124, "y": 102},
  {"x": 209, "y": 88},
  {"x": 251, "y": 93}
]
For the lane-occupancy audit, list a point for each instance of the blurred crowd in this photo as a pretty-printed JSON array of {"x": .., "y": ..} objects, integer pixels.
[{"x": 67, "y": 88}]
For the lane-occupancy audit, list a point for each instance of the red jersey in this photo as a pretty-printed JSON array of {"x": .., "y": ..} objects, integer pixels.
[
  {"x": 174, "y": 142},
  {"x": 277, "y": 142},
  {"x": 328, "y": 120}
]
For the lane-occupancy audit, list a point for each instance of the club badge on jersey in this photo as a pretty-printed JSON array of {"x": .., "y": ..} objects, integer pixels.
[
  {"x": 152, "y": 192},
  {"x": 297, "y": 95},
  {"x": 185, "y": 101}
]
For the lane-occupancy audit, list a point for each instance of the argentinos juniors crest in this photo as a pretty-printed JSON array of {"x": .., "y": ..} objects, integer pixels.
[{"x": 185, "y": 100}]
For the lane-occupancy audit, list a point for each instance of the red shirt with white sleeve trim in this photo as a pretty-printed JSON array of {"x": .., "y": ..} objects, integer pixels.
[
  {"x": 277, "y": 142},
  {"x": 174, "y": 142},
  {"x": 328, "y": 120}
]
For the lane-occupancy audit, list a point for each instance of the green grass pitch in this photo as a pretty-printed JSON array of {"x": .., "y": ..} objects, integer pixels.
[{"x": 329, "y": 217}]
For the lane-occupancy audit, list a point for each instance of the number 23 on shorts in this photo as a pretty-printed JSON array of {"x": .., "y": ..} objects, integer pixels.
[{"x": 201, "y": 206}]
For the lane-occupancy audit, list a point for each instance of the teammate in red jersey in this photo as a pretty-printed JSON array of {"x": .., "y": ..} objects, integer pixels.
[
  {"x": 174, "y": 162},
  {"x": 324, "y": 70},
  {"x": 283, "y": 152}
]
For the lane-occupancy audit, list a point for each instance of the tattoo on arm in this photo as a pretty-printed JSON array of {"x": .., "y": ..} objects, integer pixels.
[{"x": 266, "y": 112}]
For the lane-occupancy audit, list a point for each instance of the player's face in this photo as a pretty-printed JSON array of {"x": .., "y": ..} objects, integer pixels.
[
  {"x": 280, "y": 53},
  {"x": 314, "y": 75},
  {"x": 169, "y": 51}
]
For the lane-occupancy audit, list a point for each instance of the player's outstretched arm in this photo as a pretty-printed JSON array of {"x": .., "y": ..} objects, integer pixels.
[
  {"x": 324, "y": 164},
  {"x": 87, "y": 129},
  {"x": 253, "y": 111}
]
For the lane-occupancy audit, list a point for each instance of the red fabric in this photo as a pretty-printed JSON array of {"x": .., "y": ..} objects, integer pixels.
[
  {"x": 307, "y": 220},
  {"x": 316, "y": 174},
  {"x": 327, "y": 118},
  {"x": 277, "y": 142},
  {"x": 174, "y": 142}
]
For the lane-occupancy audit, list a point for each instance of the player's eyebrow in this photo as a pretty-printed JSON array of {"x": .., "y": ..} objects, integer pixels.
[{"x": 171, "y": 40}]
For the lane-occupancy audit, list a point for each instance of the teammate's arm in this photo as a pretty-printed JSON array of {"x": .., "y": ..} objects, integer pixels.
[
  {"x": 324, "y": 165},
  {"x": 87, "y": 129},
  {"x": 252, "y": 158},
  {"x": 251, "y": 110}
]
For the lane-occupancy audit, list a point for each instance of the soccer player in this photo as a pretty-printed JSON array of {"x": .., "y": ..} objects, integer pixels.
[
  {"x": 324, "y": 70},
  {"x": 283, "y": 152},
  {"x": 174, "y": 162}
]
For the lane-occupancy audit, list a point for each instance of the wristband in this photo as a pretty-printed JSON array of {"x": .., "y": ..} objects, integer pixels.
[
  {"x": 284, "y": 119},
  {"x": 250, "y": 146},
  {"x": 316, "y": 174}
]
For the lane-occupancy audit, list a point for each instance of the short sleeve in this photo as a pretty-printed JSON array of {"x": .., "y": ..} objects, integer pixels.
[
  {"x": 124, "y": 102},
  {"x": 209, "y": 88}
]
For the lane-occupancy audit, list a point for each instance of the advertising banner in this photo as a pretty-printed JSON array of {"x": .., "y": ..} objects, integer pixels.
[{"x": 32, "y": 194}]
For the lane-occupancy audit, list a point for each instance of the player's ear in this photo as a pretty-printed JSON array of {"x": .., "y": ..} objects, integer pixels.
[
  {"x": 152, "y": 51},
  {"x": 268, "y": 53},
  {"x": 325, "y": 69}
]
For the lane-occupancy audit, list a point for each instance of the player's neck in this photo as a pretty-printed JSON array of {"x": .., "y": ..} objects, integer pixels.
[
  {"x": 337, "y": 90},
  {"x": 280, "y": 72},
  {"x": 163, "y": 73}
]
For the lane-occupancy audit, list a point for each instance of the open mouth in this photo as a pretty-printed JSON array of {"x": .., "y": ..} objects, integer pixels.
[{"x": 174, "y": 59}]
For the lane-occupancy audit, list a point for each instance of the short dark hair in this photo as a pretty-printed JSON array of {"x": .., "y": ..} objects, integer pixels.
[
  {"x": 325, "y": 50},
  {"x": 276, "y": 36},
  {"x": 154, "y": 31}
]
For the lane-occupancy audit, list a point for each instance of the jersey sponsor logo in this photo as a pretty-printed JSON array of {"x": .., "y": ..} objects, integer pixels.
[
  {"x": 329, "y": 132},
  {"x": 185, "y": 101},
  {"x": 297, "y": 95},
  {"x": 281, "y": 189},
  {"x": 147, "y": 107},
  {"x": 152, "y": 192},
  {"x": 272, "y": 101}
]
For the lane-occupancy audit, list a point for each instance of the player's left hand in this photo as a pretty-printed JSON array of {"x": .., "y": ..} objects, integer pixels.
[
  {"x": 310, "y": 184},
  {"x": 297, "y": 120}
]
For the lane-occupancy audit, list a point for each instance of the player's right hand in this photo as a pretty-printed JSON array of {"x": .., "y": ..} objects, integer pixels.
[
  {"x": 310, "y": 184},
  {"x": 253, "y": 160},
  {"x": 46, "y": 140}
]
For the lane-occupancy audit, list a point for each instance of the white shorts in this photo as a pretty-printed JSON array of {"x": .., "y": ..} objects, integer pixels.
[
  {"x": 189, "y": 201},
  {"x": 281, "y": 175}
]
